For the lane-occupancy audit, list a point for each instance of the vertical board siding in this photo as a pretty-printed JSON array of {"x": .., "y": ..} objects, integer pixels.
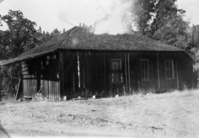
[
  {"x": 185, "y": 72},
  {"x": 57, "y": 77},
  {"x": 40, "y": 76},
  {"x": 68, "y": 70},
  {"x": 29, "y": 81}
]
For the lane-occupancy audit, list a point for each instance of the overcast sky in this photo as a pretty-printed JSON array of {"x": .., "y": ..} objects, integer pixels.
[{"x": 51, "y": 14}]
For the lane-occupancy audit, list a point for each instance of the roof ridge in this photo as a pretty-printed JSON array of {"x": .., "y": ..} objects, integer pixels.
[{"x": 71, "y": 31}]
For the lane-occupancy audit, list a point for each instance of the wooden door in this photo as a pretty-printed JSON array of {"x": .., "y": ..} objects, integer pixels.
[{"x": 116, "y": 77}]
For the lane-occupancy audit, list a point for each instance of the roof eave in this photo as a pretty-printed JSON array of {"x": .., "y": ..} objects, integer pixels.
[{"x": 24, "y": 58}]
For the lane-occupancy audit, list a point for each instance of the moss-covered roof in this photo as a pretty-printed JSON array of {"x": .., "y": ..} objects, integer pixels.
[{"x": 79, "y": 38}]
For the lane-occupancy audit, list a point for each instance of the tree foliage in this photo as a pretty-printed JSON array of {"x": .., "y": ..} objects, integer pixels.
[
  {"x": 162, "y": 20},
  {"x": 174, "y": 32},
  {"x": 164, "y": 11},
  {"x": 43, "y": 37},
  {"x": 194, "y": 34},
  {"x": 144, "y": 9},
  {"x": 194, "y": 42},
  {"x": 20, "y": 35}
]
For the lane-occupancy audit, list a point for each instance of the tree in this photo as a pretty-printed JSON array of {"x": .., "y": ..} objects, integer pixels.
[
  {"x": 194, "y": 34},
  {"x": 20, "y": 34},
  {"x": 154, "y": 14},
  {"x": 194, "y": 43},
  {"x": 162, "y": 20},
  {"x": 64, "y": 30},
  {"x": 164, "y": 10},
  {"x": 144, "y": 10},
  {"x": 55, "y": 33},
  {"x": 39, "y": 30},
  {"x": 174, "y": 32},
  {"x": 19, "y": 37}
]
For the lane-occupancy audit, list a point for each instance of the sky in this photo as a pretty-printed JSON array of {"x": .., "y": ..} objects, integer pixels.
[{"x": 60, "y": 14}]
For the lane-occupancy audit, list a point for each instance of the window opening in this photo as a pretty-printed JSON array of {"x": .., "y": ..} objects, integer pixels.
[
  {"x": 116, "y": 68},
  {"x": 145, "y": 70},
  {"x": 169, "y": 69}
]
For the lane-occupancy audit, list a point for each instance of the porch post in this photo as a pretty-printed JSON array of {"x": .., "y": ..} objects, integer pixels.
[
  {"x": 60, "y": 68},
  {"x": 158, "y": 71}
]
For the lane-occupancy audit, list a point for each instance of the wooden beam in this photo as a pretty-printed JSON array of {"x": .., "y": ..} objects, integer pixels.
[
  {"x": 73, "y": 82},
  {"x": 18, "y": 89},
  {"x": 129, "y": 73},
  {"x": 126, "y": 73},
  {"x": 78, "y": 69},
  {"x": 105, "y": 72},
  {"x": 158, "y": 71},
  {"x": 60, "y": 64},
  {"x": 177, "y": 78}
]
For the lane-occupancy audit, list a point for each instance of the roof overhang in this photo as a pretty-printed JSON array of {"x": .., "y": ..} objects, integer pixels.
[
  {"x": 23, "y": 58},
  {"x": 35, "y": 55}
]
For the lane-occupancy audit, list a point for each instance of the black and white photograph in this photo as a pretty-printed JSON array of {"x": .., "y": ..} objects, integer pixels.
[{"x": 99, "y": 68}]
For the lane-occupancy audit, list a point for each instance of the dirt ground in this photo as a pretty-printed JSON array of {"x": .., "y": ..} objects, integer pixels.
[{"x": 164, "y": 115}]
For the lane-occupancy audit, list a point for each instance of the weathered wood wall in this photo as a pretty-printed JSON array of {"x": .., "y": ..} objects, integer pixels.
[
  {"x": 93, "y": 74},
  {"x": 68, "y": 73},
  {"x": 185, "y": 71},
  {"x": 41, "y": 75},
  {"x": 73, "y": 73}
]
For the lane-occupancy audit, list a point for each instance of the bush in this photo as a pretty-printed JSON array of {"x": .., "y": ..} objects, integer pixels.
[{"x": 10, "y": 75}]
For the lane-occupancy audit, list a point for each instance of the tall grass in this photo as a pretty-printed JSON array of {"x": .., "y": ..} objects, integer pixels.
[{"x": 175, "y": 93}]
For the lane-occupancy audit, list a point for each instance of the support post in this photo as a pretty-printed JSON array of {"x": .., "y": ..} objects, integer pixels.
[
  {"x": 60, "y": 75},
  {"x": 158, "y": 70},
  {"x": 126, "y": 74},
  {"x": 177, "y": 78},
  {"x": 16, "y": 96},
  {"x": 129, "y": 73},
  {"x": 105, "y": 72}
]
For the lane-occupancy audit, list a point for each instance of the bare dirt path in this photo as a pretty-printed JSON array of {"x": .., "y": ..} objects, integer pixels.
[{"x": 165, "y": 115}]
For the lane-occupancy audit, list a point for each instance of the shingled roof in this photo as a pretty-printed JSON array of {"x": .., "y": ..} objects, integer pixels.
[{"x": 79, "y": 38}]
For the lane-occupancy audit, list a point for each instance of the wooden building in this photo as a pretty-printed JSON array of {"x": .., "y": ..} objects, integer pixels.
[{"x": 80, "y": 63}]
